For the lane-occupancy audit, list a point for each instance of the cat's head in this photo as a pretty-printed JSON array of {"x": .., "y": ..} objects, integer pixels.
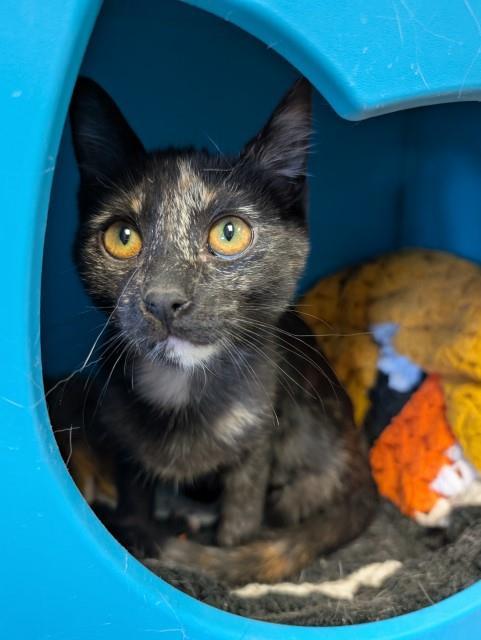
[{"x": 189, "y": 251}]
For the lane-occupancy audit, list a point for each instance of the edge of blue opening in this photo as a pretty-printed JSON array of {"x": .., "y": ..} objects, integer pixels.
[
  {"x": 135, "y": 588},
  {"x": 387, "y": 58}
]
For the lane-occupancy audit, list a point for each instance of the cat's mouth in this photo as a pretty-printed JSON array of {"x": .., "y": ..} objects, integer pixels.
[{"x": 186, "y": 353}]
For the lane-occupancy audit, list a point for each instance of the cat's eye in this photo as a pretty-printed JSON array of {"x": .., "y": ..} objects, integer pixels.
[
  {"x": 122, "y": 241},
  {"x": 229, "y": 237}
]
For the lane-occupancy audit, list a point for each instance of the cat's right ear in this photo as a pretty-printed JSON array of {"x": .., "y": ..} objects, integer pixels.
[
  {"x": 103, "y": 141},
  {"x": 281, "y": 147}
]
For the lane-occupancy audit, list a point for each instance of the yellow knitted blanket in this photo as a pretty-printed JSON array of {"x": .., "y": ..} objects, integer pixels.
[{"x": 435, "y": 299}]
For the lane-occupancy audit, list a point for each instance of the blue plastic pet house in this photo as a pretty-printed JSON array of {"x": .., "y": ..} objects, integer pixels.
[{"x": 208, "y": 74}]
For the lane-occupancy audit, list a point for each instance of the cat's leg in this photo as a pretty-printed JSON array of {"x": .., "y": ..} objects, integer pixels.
[
  {"x": 132, "y": 523},
  {"x": 303, "y": 496},
  {"x": 135, "y": 493},
  {"x": 336, "y": 478},
  {"x": 243, "y": 498}
]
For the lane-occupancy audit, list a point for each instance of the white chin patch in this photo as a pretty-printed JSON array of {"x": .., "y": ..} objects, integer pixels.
[{"x": 188, "y": 355}]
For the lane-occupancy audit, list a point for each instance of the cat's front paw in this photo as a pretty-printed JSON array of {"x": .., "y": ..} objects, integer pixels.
[
  {"x": 286, "y": 507},
  {"x": 139, "y": 537},
  {"x": 233, "y": 532}
]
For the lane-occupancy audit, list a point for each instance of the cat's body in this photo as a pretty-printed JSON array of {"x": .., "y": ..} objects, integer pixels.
[{"x": 214, "y": 373}]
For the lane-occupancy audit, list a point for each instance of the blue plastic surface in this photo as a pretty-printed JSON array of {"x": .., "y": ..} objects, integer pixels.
[{"x": 184, "y": 76}]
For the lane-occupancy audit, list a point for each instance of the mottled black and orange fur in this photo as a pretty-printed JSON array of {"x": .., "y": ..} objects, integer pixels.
[{"x": 250, "y": 398}]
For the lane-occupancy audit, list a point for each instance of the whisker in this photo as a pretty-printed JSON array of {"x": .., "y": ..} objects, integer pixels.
[
  {"x": 288, "y": 346},
  {"x": 105, "y": 387},
  {"x": 255, "y": 376},
  {"x": 259, "y": 349},
  {"x": 298, "y": 338}
]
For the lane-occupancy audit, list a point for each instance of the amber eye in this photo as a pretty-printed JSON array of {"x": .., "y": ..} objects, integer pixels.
[
  {"x": 122, "y": 241},
  {"x": 229, "y": 236}
]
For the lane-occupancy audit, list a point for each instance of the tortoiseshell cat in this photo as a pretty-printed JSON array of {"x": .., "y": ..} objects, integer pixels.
[{"x": 197, "y": 257}]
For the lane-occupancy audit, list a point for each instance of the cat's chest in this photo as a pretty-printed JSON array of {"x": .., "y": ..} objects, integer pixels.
[
  {"x": 180, "y": 428},
  {"x": 165, "y": 388}
]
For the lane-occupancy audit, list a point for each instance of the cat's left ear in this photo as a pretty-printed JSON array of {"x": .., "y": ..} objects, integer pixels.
[
  {"x": 103, "y": 141},
  {"x": 281, "y": 147}
]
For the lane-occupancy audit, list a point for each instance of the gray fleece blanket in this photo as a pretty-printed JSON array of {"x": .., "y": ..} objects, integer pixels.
[{"x": 395, "y": 567}]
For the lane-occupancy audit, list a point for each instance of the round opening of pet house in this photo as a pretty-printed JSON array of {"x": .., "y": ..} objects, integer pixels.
[{"x": 390, "y": 168}]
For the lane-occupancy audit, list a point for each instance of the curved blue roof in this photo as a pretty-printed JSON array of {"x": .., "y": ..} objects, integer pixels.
[{"x": 370, "y": 57}]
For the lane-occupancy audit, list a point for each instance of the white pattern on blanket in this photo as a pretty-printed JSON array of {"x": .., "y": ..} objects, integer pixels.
[{"x": 371, "y": 575}]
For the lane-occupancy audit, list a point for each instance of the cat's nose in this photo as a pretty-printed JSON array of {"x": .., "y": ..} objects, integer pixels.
[{"x": 166, "y": 305}]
